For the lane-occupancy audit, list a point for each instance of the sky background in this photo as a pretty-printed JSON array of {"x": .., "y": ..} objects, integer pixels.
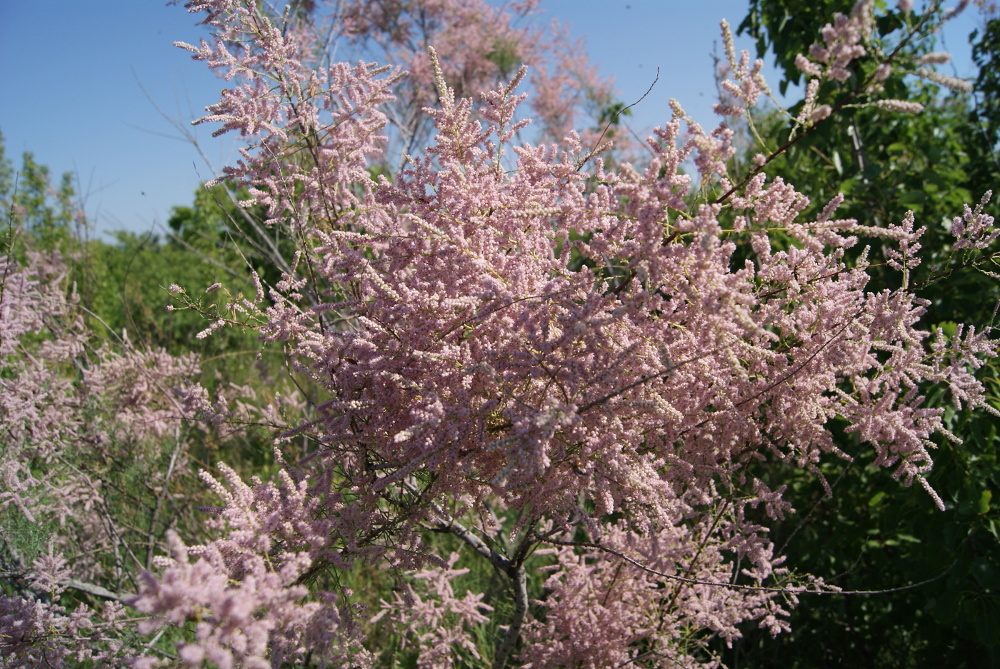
[{"x": 97, "y": 89}]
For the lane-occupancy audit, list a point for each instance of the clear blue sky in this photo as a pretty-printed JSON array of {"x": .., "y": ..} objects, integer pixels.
[{"x": 83, "y": 84}]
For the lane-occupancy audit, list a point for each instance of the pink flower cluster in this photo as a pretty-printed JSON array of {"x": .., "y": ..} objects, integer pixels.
[
  {"x": 478, "y": 44},
  {"x": 843, "y": 43},
  {"x": 36, "y": 633},
  {"x": 68, "y": 412},
  {"x": 244, "y": 591},
  {"x": 442, "y": 623},
  {"x": 59, "y": 395},
  {"x": 974, "y": 229},
  {"x": 749, "y": 81}
]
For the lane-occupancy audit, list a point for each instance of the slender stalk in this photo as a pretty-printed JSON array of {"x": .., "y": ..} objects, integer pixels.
[{"x": 520, "y": 583}]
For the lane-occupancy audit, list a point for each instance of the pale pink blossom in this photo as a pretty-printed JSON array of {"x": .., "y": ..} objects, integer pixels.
[
  {"x": 974, "y": 229},
  {"x": 902, "y": 106}
]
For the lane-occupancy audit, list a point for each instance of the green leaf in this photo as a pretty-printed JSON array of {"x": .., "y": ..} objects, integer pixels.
[
  {"x": 947, "y": 605},
  {"x": 984, "y": 501},
  {"x": 913, "y": 197},
  {"x": 987, "y": 621}
]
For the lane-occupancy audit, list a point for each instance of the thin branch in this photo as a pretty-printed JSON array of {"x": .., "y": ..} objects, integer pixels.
[
  {"x": 614, "y": 118},
  {"x": 520, "y": 583},
  {"x": 643, "y": 379},
  {"x": 11, "y": 235},
  {"x": 154, "y": 516},
  {"x": 452, "y": 527},
  {"x": 97, "y": 591},
  {"x": 736, "y": 586}
]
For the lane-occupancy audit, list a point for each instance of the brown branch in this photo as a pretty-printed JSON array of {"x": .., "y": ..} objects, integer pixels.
[
  {"x": 737, "y": 586},
  {"x": 97, "y": 591},
  {"x": 614, "y": 118},
  {"x": 643, "y": 379}
]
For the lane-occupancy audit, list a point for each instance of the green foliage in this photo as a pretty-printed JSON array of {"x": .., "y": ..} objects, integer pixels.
[
  {"x": 986, "y": 54},
  {"x": 127, "y": 290},
  {"x": 122, "y": 286},
  {"x": 984, "y": 118},
  {"x": 505, "y": 56},
  {"x": 22, "y": 537},
  {"x": 873, "y": 534},
  {"x": 46, "y": 214},
  {"x": 227, "y": 234},
  {"x": 785, "y": 30}
]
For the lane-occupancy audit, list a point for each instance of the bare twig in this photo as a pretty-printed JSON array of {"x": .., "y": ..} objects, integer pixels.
[{"x": 816, "y": 589}]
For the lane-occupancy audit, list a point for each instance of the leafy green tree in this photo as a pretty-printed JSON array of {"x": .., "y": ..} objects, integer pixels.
[
  {"x": 929, "y": 163},
  {"x": 46, "y": 213},
  {"x": 984, "y": 121},
  {"x": 230, "y": 236}
]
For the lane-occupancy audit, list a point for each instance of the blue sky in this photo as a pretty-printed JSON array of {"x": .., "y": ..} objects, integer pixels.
[{"x": 96, "y": 87}]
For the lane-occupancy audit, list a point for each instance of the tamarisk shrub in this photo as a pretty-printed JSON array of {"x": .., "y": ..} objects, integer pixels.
[
  {"x": 92, "y": 444},
  {"x": 94, "y": 467},
  {"x": 567, "y": 368},
  {"x": 478, "y": 43}
]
